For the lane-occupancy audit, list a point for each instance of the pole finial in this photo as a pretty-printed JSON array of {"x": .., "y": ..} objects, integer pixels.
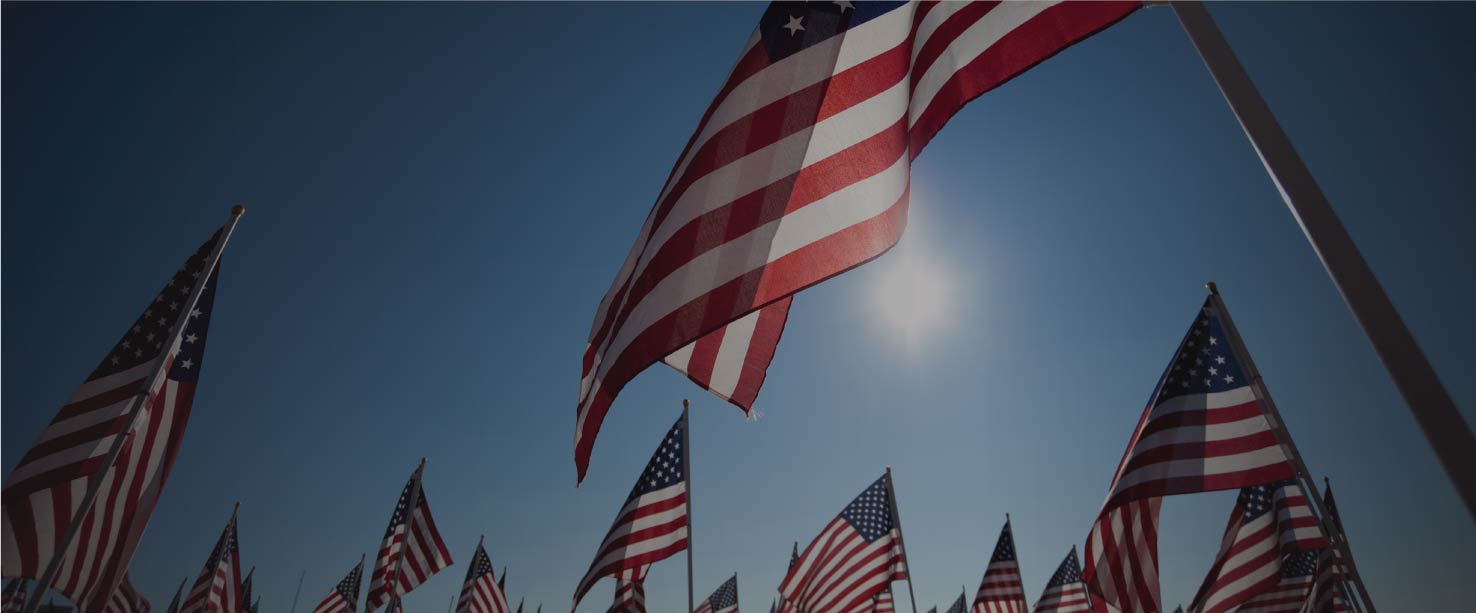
[
  {"x": 686, "y": 403},
  {"x": 238, "y": 505},
  {"x": 422, "y": 461},
  {"x": 1210, "y": 285},
  {"x": 238, "y": 210},
  {"x": 1007, "y": 517}
]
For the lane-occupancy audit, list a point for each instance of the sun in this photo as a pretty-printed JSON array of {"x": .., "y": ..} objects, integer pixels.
[{"x": 913, "y": 296}]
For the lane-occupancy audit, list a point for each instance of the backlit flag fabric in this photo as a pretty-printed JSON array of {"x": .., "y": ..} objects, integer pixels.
[
  {"x": 630, "y": 591},
  {"x": 857, "y": 555},
  {"x": 345, "y": 596},
  {"x": 1202, "y": 431},
  {"x": 218, "y": 588},
  {"x": 1267, "y": 523},
  {"x": 412, "y": 550},
  {"x": 14, "y": 600},
  {"x": 1065, "y": 593},
  {"x": 723, "y": 600},
  {"x": 45, "y": 491},
  {"x": 1001, "y": 590},
  {"x": 652, "y": 524},
  {"x": 1325, "y": 595},
  {"x": 1291, "y": 588},
  {"x": 732, "y": 361},
  {"x": 479, "y": 591},
  {"x": 883, "y": 601},
  {"x": 126, "y": 599},
  {"x": 799, "y": 169}
]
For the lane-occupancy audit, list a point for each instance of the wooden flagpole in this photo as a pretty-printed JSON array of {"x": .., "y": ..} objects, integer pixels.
[
  {"x": 1283, "y": 436},
  {"x": 897, "y": 521},
  {"x": 687, "y": 462},
  {"x": 94, "y": 484},
  {"x": 1428, "y": 401}
]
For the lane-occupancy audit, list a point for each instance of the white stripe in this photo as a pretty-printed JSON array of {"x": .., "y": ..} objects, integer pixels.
[
  {"x": 1217, "y": 465},
  {"x": 640, "y": 547},
  {"x": 977, "y": 39},
  {"x": 731, "y": 355},
  {"x": 929, "y": 25},
  {"x": 112, "y": 382},
  {"x": 681, "y": 358},
  {"x": 1255, "y": 424}
]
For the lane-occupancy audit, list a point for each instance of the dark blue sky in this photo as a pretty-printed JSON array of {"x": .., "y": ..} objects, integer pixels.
[{"x": 439, "y": 195}]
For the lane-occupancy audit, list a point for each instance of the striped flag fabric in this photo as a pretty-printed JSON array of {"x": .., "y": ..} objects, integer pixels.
[
  {"x": 961, "y": 605},
  {"x": 246, "y": 590},
  {"x": 1065, "y": 593},
  {"x": 14, "y": 599},
  {"x": 630, "y": 590},
  {"x": 44, "y": 492},
  {"x": 731, "y": 362},
  {"x": 479, "y": 592},
  {"x": 178, "y": 593},
  {"x": 1291, "y": 588},
  {"x": 722, "y": 600},
  {"x": 1325, "y": 595},
  {"x": 883, "y": 601},
  {"x": 412, "y": 550},
  {"x": 799, "y": 170},
  {"x": 126, "y": 599},
  {"x": 793, "y": 557},
  {"x": 218, "y": 588},
  {"x": 858, "y": 554},
  {"x": 1268, "y": 522},
  {"x": 344, "y": 598},
  {"x": 652, "y": 524},
  {"x": 1204, "y": 430},
  {"x": 1001, "y": 589},
  {"x": 395, "y": 606}
]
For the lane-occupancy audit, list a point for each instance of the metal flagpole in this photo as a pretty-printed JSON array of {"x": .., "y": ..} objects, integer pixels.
[
  {"x": 299, "y": 589},
  {"x": 1333, "y": 517},
  {"x": 897, "y": 521},
  {"x": 1283, "y": 436},
  {"x": 1427, "y": 398},
  {"x": 687, "y": 462},
  {"x": 94, "y": 484}
]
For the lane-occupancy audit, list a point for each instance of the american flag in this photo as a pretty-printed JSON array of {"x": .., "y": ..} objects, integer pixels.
[
  {"x": 1268, "y": 522},
  {"x": 45, "y": 491},
  {"x": 502, "y": 581},
  {"x": 961, "y": 605},
  {"x": 412, "y": 549},
  {"x": 883, "y": 602},
  {"x": 1325, "y": 595},
  {"x": 178, "y": 592},
  {"x": 652, "y": 525},
  {"x": 345, "y": 596},
  {"x": 1001, "y": 590},
  {"x": 14, "y": 600},
  {"x": 246, "y": 606},
  {"x": 724, "y": 600},
  {"x": 479, "y": 593},
  {"x": 799, "y": 170},
  {"x": 395, "y": 606},
  {"x": 1291, "y": 588},
  {"x": 1065, "y": 593},
  {"x": 793, "y": 557},
  {"x": 630, "y": 591},
  {"x": 218, "y": 588},
  {"x": 857, "y": 555},
  {"x": 1203, "y": 431},
  {"x": 126, "y": 599},
  {"x": 732, "y": 361}
]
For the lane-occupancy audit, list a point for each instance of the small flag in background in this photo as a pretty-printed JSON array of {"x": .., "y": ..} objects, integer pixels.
[
  {"x": 1065, "y": 593},
  {"x": 883, "y": 602},
  {"x": 126, "y": 599},
  {"x": 1325, "y": 595},
  {"x": 652, "y": 525},
  {"x": 412, "y": 550},
  {"x": 857, "y": 555},
  {"x": 14, "y": 600},
  {"x": 178, "y": 592},
  {"x": 395, "y": 606},
  {"x": 630, "y": 591},
  {"x": 218, "y": 588},
  {"x": 246, "y": 590},
  {"x": 724, "y": 600},
  {"x": 1291, "y": 588},
  {"x": 345, "y": 596},
  {"x": 961, "y": 605},
  {"x": 1001, "y": 589},
  {"x": 1268, "y": 522},
  {"x": 479, "y": 593}
]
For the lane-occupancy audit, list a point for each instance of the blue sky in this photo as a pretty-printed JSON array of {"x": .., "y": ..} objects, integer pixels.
[{"x": 439, "y": 195}]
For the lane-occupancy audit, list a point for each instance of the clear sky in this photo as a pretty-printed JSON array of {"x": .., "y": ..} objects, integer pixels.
[{"x": 440, "y": 194}]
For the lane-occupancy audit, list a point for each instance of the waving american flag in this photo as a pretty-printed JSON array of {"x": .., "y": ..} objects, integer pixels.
[
  {"x": 857, "y": 555},
  {"x": 1001, "y": 590},
  {"x": 1268, "y": 522},
  {"x": 479, "y": 592},
  {"x": 1065, "y": 593},
  {"x": 218, "y": 588},
  {"x": 126, "y": 599},
  {"x": 630, "y": 591},
  {"x": 1291, "y": 588},
  {"x": 345, "y": 596},
  {"x": 723, "y": 600},
  {"x": 412, "y": 550}
]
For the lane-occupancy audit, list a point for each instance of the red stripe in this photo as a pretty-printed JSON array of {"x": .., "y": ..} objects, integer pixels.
[
  {"x": 945, "y": 34},
  {"x": 704, "y": 355},
  {"x": 1199, "y": 418},
  {"x": 761, "y": 347},
  {"x": 1201, "y": 451}
]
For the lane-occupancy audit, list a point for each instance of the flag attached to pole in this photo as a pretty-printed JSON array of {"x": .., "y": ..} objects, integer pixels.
[
  {"x": 178, "y": 593},
  {"x": 1001, "y": 589},
  {"x": 723, "y": 600},
  {"x": 961, "y": 605},
  {"x": 345, "y": 596},
  {"x": 14, "y": 600},
  {"x": 857, "y": 555},
  {"x": 126, "y": 599},
  {"x": 1267, "y": 523},
  {"x": 1291, "y": 588},
  {"x": 412, "y": 550},
  {"x": 218, "y": 588},
  {"x": 798, "y": 171},
  {"x": 1065, "y": 593},
  {"x": 479, "y": 593},
  {"x": 630, "y": 591},
  {"x": 883, "y": 602},
  {"x": 1325, "y": 595}
]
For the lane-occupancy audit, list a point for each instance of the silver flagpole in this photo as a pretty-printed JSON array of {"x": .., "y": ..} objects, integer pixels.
[
  {"x": 299, "y": 591},
  {"x": 43, "y": 583},
  {"x": 687, "y": 461},
  {"x": 1426, "y": 397},
  {"x": 1283, "y": 436},
  {"x": 897, "y": 521}
]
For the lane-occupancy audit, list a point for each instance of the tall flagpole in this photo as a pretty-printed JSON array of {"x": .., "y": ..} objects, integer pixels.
[
  {"x": 299, "y": 588},
  {"x": 1426, "y": 397},
  {"x": 94, "y": 484},
  {"x": 897, "y": 521},
  {"x": 1283, "y": 435},
  {"x": 1333, "y": 516},
  {"x": 687, "y": 461}
]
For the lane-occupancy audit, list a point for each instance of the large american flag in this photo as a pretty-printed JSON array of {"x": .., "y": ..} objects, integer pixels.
[
  {"x": 1291, "y": 587},
  {"x": 1065, "y": 593},
  {"x": 412, "y": 549},
  {"x": 345, "y": 596},
  {"x": 1268, "y": 522},
  {"x": 44, "y": 493},
  {"x": 1204, "y": 430},
  {"x": 883, "y": 601},
  {"x": 480, "y": 592},
  {"x": 14, "y": 599},
  {"x": 630, "y": 590},
  {"x": 857, "y": 555},
  {"x": 1326, "y": 596},
  {"x": 652, "y": 524},
  {"x": 218, "y": 588},
  {"x": 799, "y": 170},
  {"x": 723, "y": 600},
  {"x": 1001, "y": 590},
  {"x": 126, "y": 599}
]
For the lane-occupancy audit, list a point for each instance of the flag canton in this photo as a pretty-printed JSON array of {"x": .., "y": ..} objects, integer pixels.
[
  {"x": 667, "y": 466},
  {"x": 186, "y": 366},
  {"x": 144, "y": 341},
  {"x": 870, "y": 514},
  {"x": 349, "y": 587},
  {"x": 1300, "y": 564},
  {"x": 1256, "y": 501},
  {"x": 402, "y": 506},
  {"x": 1004, "y": 550},
  {"x": 481, "y": 564},
  {"x": 725, "y": 596},
  {"x": 1204, "y": 363},
  {"x": 1068, "y": 572},
  {"x": 790, "y": 27}
]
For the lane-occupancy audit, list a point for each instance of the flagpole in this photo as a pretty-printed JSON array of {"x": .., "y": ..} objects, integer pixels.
[
  {"x": 1427, "y": 399},
  {"x": 298, "y": 592},
  {"x": 897, "y": 521},
  {"x": 94, "y": 484},
  {"x": 1283, "y": 436},
  {"x": 1085, "y": 589},
  {"x": 1343, "y": 533},
  {"x": 687, "y": 461}
]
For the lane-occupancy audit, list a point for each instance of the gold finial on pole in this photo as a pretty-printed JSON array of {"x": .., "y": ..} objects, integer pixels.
[
  {"x": 422, "y": 461},
  {"x": 1210, "y": 285},
  {"x": 238, "y": 210},
  {"x": 686, "y": 403}
]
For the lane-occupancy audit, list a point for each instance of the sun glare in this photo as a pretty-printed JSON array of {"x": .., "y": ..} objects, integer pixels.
[{"x": 913, "y": 296}]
